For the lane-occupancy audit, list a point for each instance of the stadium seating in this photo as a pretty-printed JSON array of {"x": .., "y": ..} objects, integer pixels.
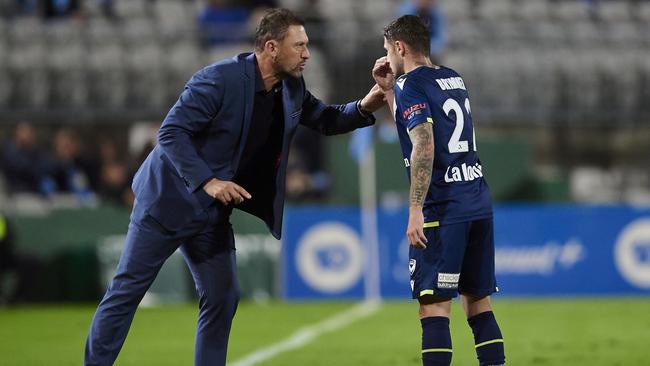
[{"x": 140, "y": 61}]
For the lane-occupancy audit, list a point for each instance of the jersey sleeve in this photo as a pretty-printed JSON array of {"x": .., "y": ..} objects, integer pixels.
[{"x": 413, "y": 105}]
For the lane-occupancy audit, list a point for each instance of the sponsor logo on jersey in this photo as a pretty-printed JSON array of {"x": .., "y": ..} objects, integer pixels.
[
  {"x": 448, "y": 280},
  {"x": 413, "y": 110},
  {"x": 464, "y": 173},
  {"x": 451, "y": 83}
]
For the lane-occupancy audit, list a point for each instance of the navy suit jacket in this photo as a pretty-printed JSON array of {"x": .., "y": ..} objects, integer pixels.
[{"x": 204, "y": 134}]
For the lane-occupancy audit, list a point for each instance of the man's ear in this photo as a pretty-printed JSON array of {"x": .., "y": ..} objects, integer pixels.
[{"x": 271, "y": 46}]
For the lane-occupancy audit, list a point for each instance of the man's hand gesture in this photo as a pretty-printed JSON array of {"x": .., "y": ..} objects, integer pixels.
[{"x": 226, "y": 191}]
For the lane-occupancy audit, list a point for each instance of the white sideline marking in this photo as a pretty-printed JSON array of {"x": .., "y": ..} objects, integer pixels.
[{"x": 307, "y": 334}]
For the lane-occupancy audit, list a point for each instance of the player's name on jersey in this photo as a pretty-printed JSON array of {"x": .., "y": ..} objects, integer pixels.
[
  {"x": 451, "y": 83},
  {"x": 464, "y": 173}
]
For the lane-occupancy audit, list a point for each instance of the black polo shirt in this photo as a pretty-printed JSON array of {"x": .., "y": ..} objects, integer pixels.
[{"x": 262, "y": 152}]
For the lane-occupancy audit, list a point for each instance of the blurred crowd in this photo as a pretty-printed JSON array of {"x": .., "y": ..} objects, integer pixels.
[
  {"x": 228, "y": 21},
  {"x": 61, "y": 162},
  {"x": 219, "y": 22},
  {"x": 345, "y": 39},
  {"x": 67, "y": 165}
]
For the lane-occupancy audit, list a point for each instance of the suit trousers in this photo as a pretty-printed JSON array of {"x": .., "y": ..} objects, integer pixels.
[{"x": 207, "y": 244}]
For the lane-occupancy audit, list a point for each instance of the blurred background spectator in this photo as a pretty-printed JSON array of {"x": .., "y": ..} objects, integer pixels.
[
  {"x": 69, "y": 169},
  {"x": 23, "y": 161},
  {"x": 52, "y": 9},
  {"x": 432, "y": 15},
  {"x": 114, "y": 183},
  {"x": 221, "y": 23}
]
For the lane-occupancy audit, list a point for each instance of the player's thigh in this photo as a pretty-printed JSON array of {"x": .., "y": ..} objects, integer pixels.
[
  {"x": 435, "y": 271},
  {"x": 477, "y": 274}
]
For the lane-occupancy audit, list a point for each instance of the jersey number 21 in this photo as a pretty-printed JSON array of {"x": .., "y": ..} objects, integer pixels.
[{"x": 455, "y": 144}]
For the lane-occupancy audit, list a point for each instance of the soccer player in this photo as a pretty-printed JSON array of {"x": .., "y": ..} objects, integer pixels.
[
  {"x": 450, "y": 210},
  {"x": 223, "y": 145}
]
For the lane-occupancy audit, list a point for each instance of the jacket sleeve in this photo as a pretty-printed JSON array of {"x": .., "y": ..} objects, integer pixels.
[
  {"x": 193, "y": 112},
  {"x": 331, "y": 119}
]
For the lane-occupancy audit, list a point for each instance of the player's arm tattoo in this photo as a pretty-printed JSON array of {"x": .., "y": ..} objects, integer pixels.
[{"x": 421, "y": 162}]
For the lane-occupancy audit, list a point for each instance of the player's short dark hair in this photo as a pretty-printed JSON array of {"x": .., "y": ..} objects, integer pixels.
[
  {"x": 411, "y": 30},
  {"x": 274, "y": 25}
]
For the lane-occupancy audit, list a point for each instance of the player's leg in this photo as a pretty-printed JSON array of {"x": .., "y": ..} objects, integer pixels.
[
  {"x": 146, "y": 248},
  {"x": 434, "y": 281},
  {"x": 211, "y": 258},
  {"x": 487, "y": 334},
  {"x": 477, "y": 282},
  {"x": 474, "y": 305},
  {"x": 436, "y": 336}
]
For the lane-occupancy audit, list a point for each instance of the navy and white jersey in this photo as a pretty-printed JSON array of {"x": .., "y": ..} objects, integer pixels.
[{"x": 437, "y": 95}]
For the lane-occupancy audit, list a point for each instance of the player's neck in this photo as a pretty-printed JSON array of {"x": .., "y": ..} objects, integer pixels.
[
  {"x": 411, "y": 64},
  {"x": 267, "y": 71}
]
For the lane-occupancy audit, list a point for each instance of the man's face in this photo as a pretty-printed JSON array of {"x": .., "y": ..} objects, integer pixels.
[
  {"x": 25, "y": 135},
  {"x": 394, "y": 58},
  {"x": 292, "y": 53}
]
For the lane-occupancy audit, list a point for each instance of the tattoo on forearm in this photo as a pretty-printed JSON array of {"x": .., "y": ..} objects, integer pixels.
[{"x": 421, "y": 162}]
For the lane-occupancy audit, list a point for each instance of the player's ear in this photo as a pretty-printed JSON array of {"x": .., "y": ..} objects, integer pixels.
[{"x": 399, "y": 47}]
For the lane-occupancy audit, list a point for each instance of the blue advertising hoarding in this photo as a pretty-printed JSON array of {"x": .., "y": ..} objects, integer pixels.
[{"x": 541, "y": 250}]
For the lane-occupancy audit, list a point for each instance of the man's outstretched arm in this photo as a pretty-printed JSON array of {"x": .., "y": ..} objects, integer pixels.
[{"x": 332, "y": 119}]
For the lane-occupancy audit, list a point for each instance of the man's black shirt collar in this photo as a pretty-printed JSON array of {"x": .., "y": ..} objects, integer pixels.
[{"x": 259, "y": 82}]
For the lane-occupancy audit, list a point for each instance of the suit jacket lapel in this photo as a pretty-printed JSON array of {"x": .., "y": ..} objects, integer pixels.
[
  {"x": 249, "y": 101},
  {"x": 286, "y": 107}
]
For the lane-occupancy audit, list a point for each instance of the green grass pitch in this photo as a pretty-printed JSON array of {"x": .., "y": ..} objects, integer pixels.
[{"x": 563, "y": 332}]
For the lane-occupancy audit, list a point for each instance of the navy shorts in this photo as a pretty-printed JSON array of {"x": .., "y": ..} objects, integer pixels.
[{"x": 458, "y": 258}]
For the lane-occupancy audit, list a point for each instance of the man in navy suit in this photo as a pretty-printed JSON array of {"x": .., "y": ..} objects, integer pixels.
[{"x": 223, "y": 144}]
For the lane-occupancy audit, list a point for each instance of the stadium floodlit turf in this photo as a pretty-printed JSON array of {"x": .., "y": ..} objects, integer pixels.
[{"x": 537, "y": 332}]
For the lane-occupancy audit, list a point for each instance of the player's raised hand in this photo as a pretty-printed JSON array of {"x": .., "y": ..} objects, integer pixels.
[
  {"x": 226, "y": 191},
  {"x": 383, "y": 74},
  {"x": 415, "y": 230}
]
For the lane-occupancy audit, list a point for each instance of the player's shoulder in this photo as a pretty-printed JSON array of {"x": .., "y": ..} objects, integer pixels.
[
  {"x": 411, "y": 81},
  {"x": 424, "y": 77},
  {"x": 429, "y": 74}
]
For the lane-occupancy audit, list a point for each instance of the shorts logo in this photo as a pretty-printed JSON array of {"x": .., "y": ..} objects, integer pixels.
[
  {"x": 448, "y": 280},
  {"x": 412, "y": 266}
]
